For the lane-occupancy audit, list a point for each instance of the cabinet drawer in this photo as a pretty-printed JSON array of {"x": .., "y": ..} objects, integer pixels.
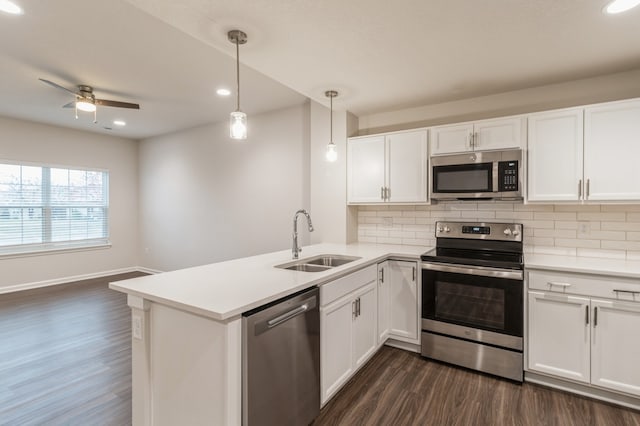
[
  {"x": 336, "y": 289},
  {"x": 586, "y": 285}
]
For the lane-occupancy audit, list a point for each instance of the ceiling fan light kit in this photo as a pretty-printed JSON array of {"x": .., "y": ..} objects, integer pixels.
[
  {"x": 86, "y": 101},
  {"x": 238, "y": 119}
]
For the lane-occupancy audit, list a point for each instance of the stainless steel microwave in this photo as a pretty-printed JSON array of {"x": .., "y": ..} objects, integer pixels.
[{"x": 477, "y": 175}]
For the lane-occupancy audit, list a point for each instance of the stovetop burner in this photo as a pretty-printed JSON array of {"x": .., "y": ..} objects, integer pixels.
[{"x": 496, "y": 245}]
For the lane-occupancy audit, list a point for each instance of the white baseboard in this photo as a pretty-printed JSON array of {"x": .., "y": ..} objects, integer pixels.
[
  {"x": 65, "y": 280},
  {"x": 411, "y": 347}
]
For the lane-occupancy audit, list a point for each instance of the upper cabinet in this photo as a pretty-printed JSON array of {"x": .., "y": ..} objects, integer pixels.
[
  {"x": 608, "y": 149},
  {"x": 611, "y": 151},
  {"x": 390, "y": 168},
  {"x": 483, "y": 135},
  {"x": 555, "y": 156}
]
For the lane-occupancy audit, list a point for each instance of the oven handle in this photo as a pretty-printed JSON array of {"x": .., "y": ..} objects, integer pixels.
[{"x": 474, "y": 270}]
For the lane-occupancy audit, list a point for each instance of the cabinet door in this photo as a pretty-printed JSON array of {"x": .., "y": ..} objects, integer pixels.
[
  {"x": 615, "y": 348},
  {"x": 403, "y": 297},
  {"x": 365, "y": 336},
  {"x": 383, "y": 302},
  {"x": 450, "y": 139},
  {"x": 559, "y": 335},
  {"x": 611, "y": 151},
  {"x": 498, "y": 134},
  {"x": 555, "y": 156},
  {"x": 407, "y": 167},
  {"x": 336, "y": 364},
  {"x": 366, "y": 169}
]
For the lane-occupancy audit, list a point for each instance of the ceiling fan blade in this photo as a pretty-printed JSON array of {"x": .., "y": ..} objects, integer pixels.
[
  {"x": 57, "y": 86},
  {"x": 116, "y": 104},
  {"x": 71, "y": 104}
]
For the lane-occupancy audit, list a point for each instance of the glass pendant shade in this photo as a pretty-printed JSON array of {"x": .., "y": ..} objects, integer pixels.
[
  {"x": 238, "y": 125},
  {"x": 83, "y": 105},
  {"x": 332, "y": 154}
]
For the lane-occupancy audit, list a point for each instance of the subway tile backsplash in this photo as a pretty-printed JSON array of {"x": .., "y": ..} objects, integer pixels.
[{"x": 606, "y": 231}]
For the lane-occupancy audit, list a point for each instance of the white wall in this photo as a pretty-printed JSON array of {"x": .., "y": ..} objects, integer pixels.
[
  {"x": 33, "y": 142},
  {"x": 205, "y": 198},
  {"x": 605, "y": 88}
]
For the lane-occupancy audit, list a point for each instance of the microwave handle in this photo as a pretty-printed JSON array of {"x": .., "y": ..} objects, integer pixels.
[{"x": 495, "y": 176}]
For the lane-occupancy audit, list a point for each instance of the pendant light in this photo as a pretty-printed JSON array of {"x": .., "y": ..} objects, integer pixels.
[
  {"x": 332, "y": 154},
  {"x": 238, "y": 122}
]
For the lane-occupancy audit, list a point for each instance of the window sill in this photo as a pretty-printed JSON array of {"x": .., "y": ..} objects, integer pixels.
[{"x": 66, "y": 248}]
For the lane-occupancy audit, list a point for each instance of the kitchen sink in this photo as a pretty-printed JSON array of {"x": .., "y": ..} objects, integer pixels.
[{"x": 318, "y": 263}]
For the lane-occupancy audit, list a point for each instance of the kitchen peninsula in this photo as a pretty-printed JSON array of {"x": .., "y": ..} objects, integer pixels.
[{"x": 186, "y": 345}]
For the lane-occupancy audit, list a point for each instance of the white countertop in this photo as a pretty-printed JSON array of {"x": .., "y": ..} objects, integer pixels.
[
  {"x": 587, "y": 265},
  {"x": 226, "y": 289}
]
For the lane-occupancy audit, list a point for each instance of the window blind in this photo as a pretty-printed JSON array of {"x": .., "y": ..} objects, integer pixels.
[{"x": 44, "y": 208}]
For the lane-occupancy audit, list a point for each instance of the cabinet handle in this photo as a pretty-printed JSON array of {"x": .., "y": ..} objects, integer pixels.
[
  {"x": 387, "y": 193},
  {"x": 595, "y": 316},
  {"x": 558, "y": 284},
  {"x": 580, "y": 189},
  {"x": 627, "y": 291},
  {"x": 358, "y": 307},
  {"x": 382, "y": 275},
  {"x": 414, "y": 273},
  {"x": 470, "y": 140},
  {"x": 586, "y": 314},
  {"x": 588, "y": 188},
  {"x": 382, "y": 193},
  {"x": 475, "y": 140}
]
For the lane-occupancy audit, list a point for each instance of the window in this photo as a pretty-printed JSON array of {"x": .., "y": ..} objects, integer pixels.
[{"x": 48, "y": 208}]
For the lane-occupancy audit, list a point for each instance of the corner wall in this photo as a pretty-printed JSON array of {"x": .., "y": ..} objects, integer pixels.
[
  {"x": 205, "y": 198},
  {"x": 24, "y": 141}
]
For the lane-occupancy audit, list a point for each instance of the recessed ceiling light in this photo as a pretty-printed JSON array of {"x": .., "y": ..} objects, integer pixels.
[
  {"x": 223, "y": 92},
  {"x": 119, "y": 122},
  {"x": 10, "y": 7},
  {"x": 618, "y": 6}
]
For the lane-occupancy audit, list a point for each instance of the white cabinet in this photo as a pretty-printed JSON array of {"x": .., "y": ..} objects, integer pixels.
[
  {"x": 384, "y": 308},
  {"x": 398, "y": 307},
  {"x": 555, "y": 155},
  {"x": 608, "y": 148},
  {"x": 348, "y": 327},
  {"x": 575, "y": 333},
  {"x": 615, "y": 349},
  {"x": 559, "y": 335},
  {"x": 483, "y": 135},
  {"x": 611, "y": 151},
  {"x": 390, "y": 168}
]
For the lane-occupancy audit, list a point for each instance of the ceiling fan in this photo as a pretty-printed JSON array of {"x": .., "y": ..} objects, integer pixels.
[{"x": 86, "y": 100}]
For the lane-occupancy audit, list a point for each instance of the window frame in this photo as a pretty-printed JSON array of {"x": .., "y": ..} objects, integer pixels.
[{"x": 49, "y": 246}]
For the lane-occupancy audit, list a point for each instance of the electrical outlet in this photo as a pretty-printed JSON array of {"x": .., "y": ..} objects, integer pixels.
[
  {"x": 387, "y": 221},
  {"x": 137, "y": 327},
  {"x": 583, "y": 228}
]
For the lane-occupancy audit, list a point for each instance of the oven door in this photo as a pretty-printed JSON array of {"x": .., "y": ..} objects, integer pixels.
[{"x": 473, "y": 297}]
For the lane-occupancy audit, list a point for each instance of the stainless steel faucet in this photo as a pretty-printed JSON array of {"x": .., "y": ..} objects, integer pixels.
[{"x": 295, "y": 250}]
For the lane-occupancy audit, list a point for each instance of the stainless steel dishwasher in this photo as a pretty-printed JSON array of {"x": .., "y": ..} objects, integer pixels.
[{"x": 281, "y": 361}]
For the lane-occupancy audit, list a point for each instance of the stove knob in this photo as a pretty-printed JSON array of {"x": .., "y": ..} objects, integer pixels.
[
  {"x": 507, "y": 232},
  {"x": 447, "y": 229},
  {"x": 440, "y": 229},
  {"x": 515, "y": 233}
]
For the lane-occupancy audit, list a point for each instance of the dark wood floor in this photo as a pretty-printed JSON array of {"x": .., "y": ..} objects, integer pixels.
[
  {"x": 65, "y": 359},
  {"x": 65, "y": 355},
  {"x": 401, "y": 388}
]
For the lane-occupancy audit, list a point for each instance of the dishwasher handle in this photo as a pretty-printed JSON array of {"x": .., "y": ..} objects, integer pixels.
[
  {"x": 287, "y": 316},
  {"x": 300, "y": 308}
]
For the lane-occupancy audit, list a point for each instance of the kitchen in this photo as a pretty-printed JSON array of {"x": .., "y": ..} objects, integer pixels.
[{"x": 224, "y": 193}]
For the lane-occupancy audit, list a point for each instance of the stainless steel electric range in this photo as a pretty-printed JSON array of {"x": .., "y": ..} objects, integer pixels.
[{"x": 472, "y": 297}]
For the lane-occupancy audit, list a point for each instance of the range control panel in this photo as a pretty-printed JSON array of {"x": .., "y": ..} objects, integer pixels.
[{"x": 507, "y": 176}]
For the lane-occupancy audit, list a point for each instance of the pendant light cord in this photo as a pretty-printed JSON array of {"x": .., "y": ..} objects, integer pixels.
[
  {"x": 331, "y": 120},
  {"x": 237, "y": 74}
]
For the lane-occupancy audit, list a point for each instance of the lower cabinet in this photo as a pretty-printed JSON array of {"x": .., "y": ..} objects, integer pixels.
[
  {"x": 348, "y": 327},
  {"x": 585, "y": 337},
  {"x": 398, "y": 295}
]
